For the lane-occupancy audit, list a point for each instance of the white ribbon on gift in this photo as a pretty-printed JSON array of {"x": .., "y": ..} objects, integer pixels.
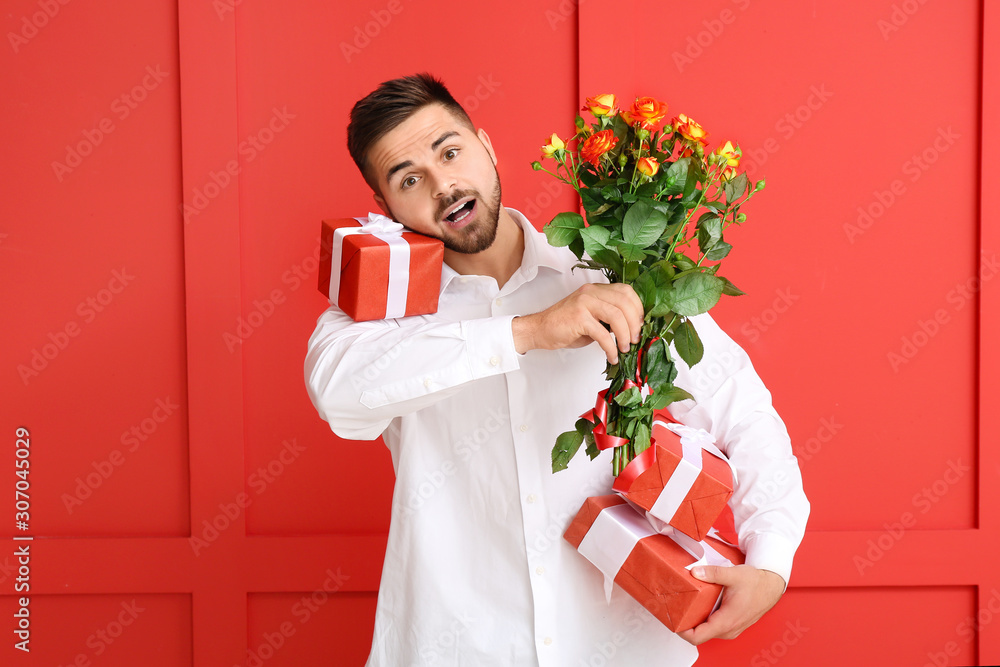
[
  {"x": 675, "y": 490},
  {"x": 616, "y": 531},
  {"x": 391, "y": 232}
]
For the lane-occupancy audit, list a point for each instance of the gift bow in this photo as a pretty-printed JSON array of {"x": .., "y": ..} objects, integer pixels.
[
  {"x": 391, "y": 232},
  {"x": 617, "y": 530}
]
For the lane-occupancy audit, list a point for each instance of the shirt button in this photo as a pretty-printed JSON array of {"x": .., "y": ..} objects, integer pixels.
[
  {"x": 530, "y": 498},
  {"x": 539, "y": 570},
  {"x": 494, "y": 361},
  {"x": 547, "y": 641},
  {"x": 500, "y": 301},
  {"x": 523, "y": 427},
  {"x": 427, "y": 382}
]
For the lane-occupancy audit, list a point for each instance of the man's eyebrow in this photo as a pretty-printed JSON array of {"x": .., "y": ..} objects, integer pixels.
[{"x": 403, "y": 165}]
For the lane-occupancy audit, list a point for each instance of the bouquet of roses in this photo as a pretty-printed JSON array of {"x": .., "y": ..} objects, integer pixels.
[{"x": 657, "y": 206}]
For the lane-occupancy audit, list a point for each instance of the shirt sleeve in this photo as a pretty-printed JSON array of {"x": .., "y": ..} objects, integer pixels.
[
  {"x": 769, "y": 505},
  {"x": 362, "y": 375}
]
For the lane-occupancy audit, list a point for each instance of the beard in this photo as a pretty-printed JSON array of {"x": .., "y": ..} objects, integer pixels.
[{"x": 480, "y": 233}]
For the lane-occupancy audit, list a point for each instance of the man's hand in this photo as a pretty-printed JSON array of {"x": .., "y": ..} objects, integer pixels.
[
  {"x": 749, "y": 593},
  {"x": 576, "y": 321}
]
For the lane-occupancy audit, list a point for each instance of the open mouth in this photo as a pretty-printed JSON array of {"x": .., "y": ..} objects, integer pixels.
[{"x": 462, "y": 213}]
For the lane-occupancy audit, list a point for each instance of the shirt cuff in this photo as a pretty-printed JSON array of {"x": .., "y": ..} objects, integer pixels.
[
  {"x": 491, "y": 345},
  {"x": 770, "y": 551}
]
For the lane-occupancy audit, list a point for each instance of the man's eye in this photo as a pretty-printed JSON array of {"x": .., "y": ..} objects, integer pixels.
[
  {"x": 408, "y": 181},
  {"x": 451, "y": 153}
]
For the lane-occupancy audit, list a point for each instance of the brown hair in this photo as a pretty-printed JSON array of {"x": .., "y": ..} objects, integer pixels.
[{"x": 387, "y": 106}]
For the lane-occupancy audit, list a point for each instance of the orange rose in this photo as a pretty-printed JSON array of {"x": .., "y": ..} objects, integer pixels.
[
  {"x": 602, "y": 105},
  {"x": 648, "y": 166},
  {"x": 646, "y": 114},
  {"x": 730, "y": 157},
  {"x": 597, "y": 145},
  {"x": 690, "y": 130},
  {"x": 555, "y": 144}
]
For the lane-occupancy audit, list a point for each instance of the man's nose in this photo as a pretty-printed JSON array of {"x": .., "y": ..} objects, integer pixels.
[{"x": 443, "y": 181}]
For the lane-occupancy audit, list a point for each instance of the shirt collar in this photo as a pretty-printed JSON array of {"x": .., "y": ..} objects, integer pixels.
[{"x": 537, "y": 253}]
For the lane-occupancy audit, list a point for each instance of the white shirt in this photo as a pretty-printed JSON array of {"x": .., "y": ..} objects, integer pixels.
[{"x": 476, "y": 571}]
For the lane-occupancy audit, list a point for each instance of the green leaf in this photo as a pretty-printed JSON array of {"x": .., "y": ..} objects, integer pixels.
[
  {"x": 718, "y": 251},
  {"x": 584, "y": 426},
  {"x": 631, "y": 272},
  {"x": 592, "y": 451},
  {"x": 595, "y": 239},
  {"x": 658, "y": 399},
  {"x": 611, "y": 192},
  {"x": 643, "y": 224},
  {"x": 683, "y": 262},
  {"x": 729, "y": 288},
  {"x": 567, "y": 445},
  {"x": 610, "y": 259},
  {"x": 688, "y": 343},
  {"x": 673, "y": 394},
  {"x": 658, "y": 366},
  {"x": 631, "y": 253},
  {"x": 640, "y": 441},
  {"x": 709, "y": 231},
  {"x": 563, "y": 229},
  {"x": 576, "y": 245},
  {"x": 735, "y": 188},
  {"x": 676, "y": 176},
  {"x": 695, "y": 293},
  {"x": 629, "y": 398},
  {"x": 652, "y": 288}
]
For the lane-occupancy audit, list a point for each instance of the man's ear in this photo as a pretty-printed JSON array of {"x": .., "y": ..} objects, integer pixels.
[
  {"x": 380, "y": 202},
  {"x": 485, "y": 138}
]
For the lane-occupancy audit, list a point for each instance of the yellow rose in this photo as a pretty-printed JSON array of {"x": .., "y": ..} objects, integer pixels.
[
  {"x": 648, "y": 166},
  {"x": 690, "y": 130},
  {"x": 729, "y": 156},
  {"x": 555, "y": 144},
  {"x": 602, "y": 105}
]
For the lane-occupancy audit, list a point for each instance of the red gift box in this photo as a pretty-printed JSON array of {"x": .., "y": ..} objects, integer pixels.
[
  {"x": 678, "y": 480},
  {"x": 381, "y": 271},
  {"x": 650, "y": 566}
]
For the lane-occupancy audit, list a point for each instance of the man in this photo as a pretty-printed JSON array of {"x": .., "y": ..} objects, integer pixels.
[{"x": 470, "y": 399}]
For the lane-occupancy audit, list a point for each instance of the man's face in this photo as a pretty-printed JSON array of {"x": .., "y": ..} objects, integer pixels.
[{"x": 439, "y": 178}]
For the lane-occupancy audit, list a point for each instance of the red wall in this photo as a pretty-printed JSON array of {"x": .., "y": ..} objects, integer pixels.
[{"x": 165, "y": 168}]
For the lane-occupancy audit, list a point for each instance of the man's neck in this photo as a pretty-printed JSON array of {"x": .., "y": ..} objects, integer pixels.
[{"x": 500, "y": 260}]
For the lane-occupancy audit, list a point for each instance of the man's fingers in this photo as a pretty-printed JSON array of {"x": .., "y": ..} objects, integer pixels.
[
  {"x": 715, "y": 574},
  {"x": 594, "y": 329}
]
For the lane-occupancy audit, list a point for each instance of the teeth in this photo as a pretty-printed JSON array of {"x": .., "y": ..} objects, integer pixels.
[{"x": 456, "y": 208}]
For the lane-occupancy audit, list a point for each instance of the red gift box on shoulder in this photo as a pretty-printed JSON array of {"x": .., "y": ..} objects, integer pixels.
[
  {"x": 682, "y": 479},
  {"x": 652, "y": 567},
  {"x": 372, "y": 269}
]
